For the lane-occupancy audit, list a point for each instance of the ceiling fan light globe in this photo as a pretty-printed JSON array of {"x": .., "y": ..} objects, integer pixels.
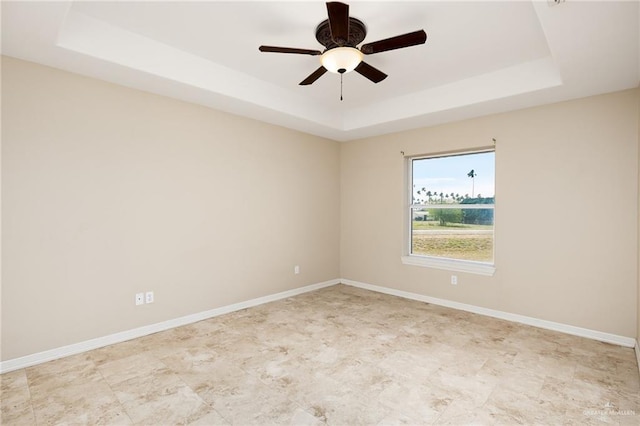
[{"x": 344, "y": 59}]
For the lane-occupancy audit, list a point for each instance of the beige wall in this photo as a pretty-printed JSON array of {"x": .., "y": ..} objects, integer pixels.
[
  {"x": 109, "y": 191},
  {"x": 567, "y": 212},
  {"x": 638, "y": 292}
]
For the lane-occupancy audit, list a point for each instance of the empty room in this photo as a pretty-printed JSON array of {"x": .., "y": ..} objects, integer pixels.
[{"x": 307, "y": 213}]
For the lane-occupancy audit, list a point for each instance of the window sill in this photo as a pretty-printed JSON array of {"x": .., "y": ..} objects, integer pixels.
[{"x": 450, "y": 264}]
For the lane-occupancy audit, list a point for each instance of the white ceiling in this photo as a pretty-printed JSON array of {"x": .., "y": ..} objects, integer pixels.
[{"x": 480, "y": 57}]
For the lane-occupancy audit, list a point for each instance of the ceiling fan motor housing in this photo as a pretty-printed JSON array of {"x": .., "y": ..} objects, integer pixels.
[{"x": 357, "y": 33}]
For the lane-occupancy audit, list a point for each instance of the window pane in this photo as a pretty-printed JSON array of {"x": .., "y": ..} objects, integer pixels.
[
  {"x": 449, "y": 217},
  {"x": 465, "y": 234},
  {"x": 453, "y": 179}
]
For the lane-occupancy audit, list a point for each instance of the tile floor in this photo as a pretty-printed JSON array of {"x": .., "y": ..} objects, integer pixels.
[{"x": 340, "y": 356}]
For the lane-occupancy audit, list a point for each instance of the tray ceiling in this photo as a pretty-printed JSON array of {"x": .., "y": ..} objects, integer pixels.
[{"x": 480, "y": 57}]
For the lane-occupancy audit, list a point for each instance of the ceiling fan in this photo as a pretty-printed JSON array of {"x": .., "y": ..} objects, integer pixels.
[{"x": 340, "y": 34}]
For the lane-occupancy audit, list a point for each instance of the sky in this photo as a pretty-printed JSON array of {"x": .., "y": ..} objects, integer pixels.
[{"x": 449, "y": 174}]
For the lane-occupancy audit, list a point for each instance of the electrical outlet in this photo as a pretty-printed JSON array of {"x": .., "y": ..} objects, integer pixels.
[
  {"x": 149, "y": 297},
  {"x": 296, "y": 269},
  {"x": 139, "y": 299},
  {"x": 454, "y": 280}
]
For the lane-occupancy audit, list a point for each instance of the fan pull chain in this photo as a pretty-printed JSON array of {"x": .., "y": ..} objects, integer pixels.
[{"x": 341, "y": 74}]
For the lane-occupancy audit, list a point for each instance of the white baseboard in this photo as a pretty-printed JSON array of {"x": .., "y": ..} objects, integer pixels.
[
  {"x": 549, "y": 325},
  {"x": 76, "y": 348}
]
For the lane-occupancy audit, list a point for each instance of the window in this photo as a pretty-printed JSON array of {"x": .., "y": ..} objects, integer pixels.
[{"x": 451, "y": 212}]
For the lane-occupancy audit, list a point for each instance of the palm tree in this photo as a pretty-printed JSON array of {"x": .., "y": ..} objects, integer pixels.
[
  {"x": 472, "y": 174},
  {"x": 429, "y": 194}
]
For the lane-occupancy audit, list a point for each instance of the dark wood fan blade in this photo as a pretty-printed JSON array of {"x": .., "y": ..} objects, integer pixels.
[
  {"x": 276, "y": 49},
  {"x": 339, "y": 22},
  {"x": 313, "y": 77},
  {"x": 370, "y": 72},
  {"x": 398, "y": 42}
]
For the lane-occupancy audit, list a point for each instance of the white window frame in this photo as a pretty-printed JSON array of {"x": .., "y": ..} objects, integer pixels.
[{"x": 457, "y": 265}]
